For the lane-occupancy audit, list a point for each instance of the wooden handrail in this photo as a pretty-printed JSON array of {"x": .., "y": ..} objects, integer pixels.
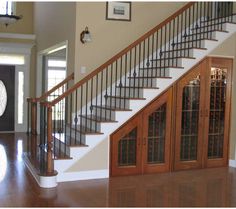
[
  {"x": 121, "y": 53},
  {"x": 46, "y": 94}
]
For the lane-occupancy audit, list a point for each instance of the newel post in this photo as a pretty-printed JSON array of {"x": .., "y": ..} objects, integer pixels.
[{"x": 50, "y": 166}]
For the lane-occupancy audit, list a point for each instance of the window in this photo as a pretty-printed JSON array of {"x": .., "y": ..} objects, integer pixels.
[
  {"x": 11, "y": 59},
  {"x": 20, "y": 97},
  {"x": 7, "y": 7},
  {"x": 56, "y": 72}
]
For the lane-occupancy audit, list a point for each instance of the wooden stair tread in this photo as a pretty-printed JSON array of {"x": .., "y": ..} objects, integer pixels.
[
  {"x": 136, "y": 87},
  {"x": 158, "y": 67},
  {"x": 216, "y": 24},
  {"x": 173, "y": 50},
  {"x": 203, "y": 32},
  {"x": 71, "y": 139},
  {"x": 122, "y": 97},
  {"x": 85, "y": 130},
  {"x": 98, "y": 119},
  {"x": 199, "y": 39},
  {"x": 218, "y": 18},
  {"x": 145, "y": 77},
  {"x": 169, "y": 58},
  {"x": 112, "y": 108},
  {"x": 59, "y": 155}
]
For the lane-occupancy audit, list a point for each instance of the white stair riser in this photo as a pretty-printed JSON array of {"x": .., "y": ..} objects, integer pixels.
[
  {"x": 117, "y": 102},
  {"x": 143, "y": 82},
  {"x": 154, "y": 72},
  {"x": 130, "y": 92},
  {"x": 101, "y": 112}
]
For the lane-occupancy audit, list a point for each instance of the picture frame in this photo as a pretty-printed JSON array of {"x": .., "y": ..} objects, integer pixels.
[{"x": 120, "y": 11}]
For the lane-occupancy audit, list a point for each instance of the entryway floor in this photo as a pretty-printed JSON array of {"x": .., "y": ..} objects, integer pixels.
[{"x": 214, "y": 187}]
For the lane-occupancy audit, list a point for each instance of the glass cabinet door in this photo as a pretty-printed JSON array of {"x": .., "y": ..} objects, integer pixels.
[
  {"x": 126, "y": 149},
  {"x": 156, "y": 134},
  {"x": 188, "y": 147},
  {"x": 217, "y": 113}
]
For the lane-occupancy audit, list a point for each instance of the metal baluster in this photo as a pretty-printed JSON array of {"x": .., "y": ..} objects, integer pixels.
[
  {"x": 164, "y": 69},
  {"x": 156, "y": 51},
  {"x": 120, "y": 84},
  {"x": 135, "y": 73},
  {"x": 91, "y": 106},
  {"x": 76, "y": 114},
  {"x": 111, "y": 84},
  {"x": 102, "y": 96},
  {"x": 81, "y": 112},
  {"x": 177, "y": 32}
]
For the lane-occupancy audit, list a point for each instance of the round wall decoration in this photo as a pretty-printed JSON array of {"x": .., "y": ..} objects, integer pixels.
[{"x": 3, "y": 98}]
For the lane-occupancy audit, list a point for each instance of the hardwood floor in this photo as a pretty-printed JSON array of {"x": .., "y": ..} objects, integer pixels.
[{"x": 213, "y": 187}]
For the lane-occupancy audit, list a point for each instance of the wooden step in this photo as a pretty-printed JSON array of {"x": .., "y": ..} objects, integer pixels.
[
  {"x": 180, "y": 49},
  {"x": 211, "y": 25},
  {"x": 98, "y": 119},
  {"x": 60, "y": 154},
  {"x": 163, "y": 67},
  {"x": 140, "y": 87},
  {"x": 203, "y": 32},
  {"x": 68, "y": 141},
  {"x": 112, "y": 108},
  {"x": 201, "y": 39},
  {"x": 164, "y": 77},
  {"x": 218, "y": 18},
  {"x": 131, "y": 98},
  {"x": 85, "y": 130},
  {"x": 170, "y": 58}
]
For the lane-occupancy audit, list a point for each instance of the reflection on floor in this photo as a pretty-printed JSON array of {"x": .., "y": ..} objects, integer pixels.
[{"x": 207, "y": 187}]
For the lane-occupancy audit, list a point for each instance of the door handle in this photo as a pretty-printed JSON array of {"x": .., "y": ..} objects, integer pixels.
[
  {"x": 144, "y": 141},
  {"x": 139, "y": 141},
  {"x": 201, "y": 113}
]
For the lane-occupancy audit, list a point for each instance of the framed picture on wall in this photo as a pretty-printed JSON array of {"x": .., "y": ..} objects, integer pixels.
[{"x": 118, "y": 11}]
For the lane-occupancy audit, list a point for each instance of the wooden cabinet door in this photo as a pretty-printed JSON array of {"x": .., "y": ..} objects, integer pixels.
[
  {"x": 143, "y": 144},
  {"x": 189, "y": 120},
  {"x": 156, "y": 135},
  {"x": 217, "y": 113},
  {"x": 126, "y": 148}
]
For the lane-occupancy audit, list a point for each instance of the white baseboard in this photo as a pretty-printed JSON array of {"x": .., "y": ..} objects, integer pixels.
[
  {"x": 43, "y": 181},
  {"x": 232, "y": 163}
]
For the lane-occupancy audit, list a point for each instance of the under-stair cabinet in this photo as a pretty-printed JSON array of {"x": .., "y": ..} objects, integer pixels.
[{"x": 186, "y": 127}]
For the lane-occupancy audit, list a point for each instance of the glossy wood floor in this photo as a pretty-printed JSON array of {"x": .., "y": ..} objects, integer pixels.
[{"x": 208, "y": 187}]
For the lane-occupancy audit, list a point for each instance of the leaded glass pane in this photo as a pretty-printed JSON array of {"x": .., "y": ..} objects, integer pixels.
[
  {"x": 189, "y": 123},
  {"x": 217, "y": 113},
  {"x": 156, "y": 136},
  {"x": 127, "y": 149},
  {"x": 3, "y": 98}
]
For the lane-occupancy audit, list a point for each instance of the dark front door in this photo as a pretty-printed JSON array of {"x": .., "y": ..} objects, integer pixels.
[{"x": 7, "y": 98}]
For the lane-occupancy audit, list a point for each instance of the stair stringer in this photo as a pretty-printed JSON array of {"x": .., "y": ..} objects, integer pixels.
[{"x": 65, "y": 167}]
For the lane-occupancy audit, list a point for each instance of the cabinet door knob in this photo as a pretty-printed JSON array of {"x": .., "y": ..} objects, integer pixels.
[
  {"x": 144, "y": 141},
  {"x": 201, "y": 113}
]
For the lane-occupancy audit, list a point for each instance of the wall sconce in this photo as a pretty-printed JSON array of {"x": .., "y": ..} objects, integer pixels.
[{"x": 85, "y": 36}]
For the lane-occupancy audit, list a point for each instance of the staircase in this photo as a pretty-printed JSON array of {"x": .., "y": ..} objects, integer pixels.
[{"x": 75, "y": 145}]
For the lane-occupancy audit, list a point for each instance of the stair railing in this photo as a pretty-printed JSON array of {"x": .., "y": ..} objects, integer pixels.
[
  {"x": 95, "y": 98},
  {"x": 47, "y": 96}
]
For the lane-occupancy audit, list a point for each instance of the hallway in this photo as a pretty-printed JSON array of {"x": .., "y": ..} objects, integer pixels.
[{"x": 209, "y": 187}]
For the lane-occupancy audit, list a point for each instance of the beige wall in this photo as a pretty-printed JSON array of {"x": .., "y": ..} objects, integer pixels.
[
  {"x": 228, "y": 48},
  {"x": 55, "y": 23},
  {"x": 109, "y": 37},
  {"x": 25, "y": 25}
]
